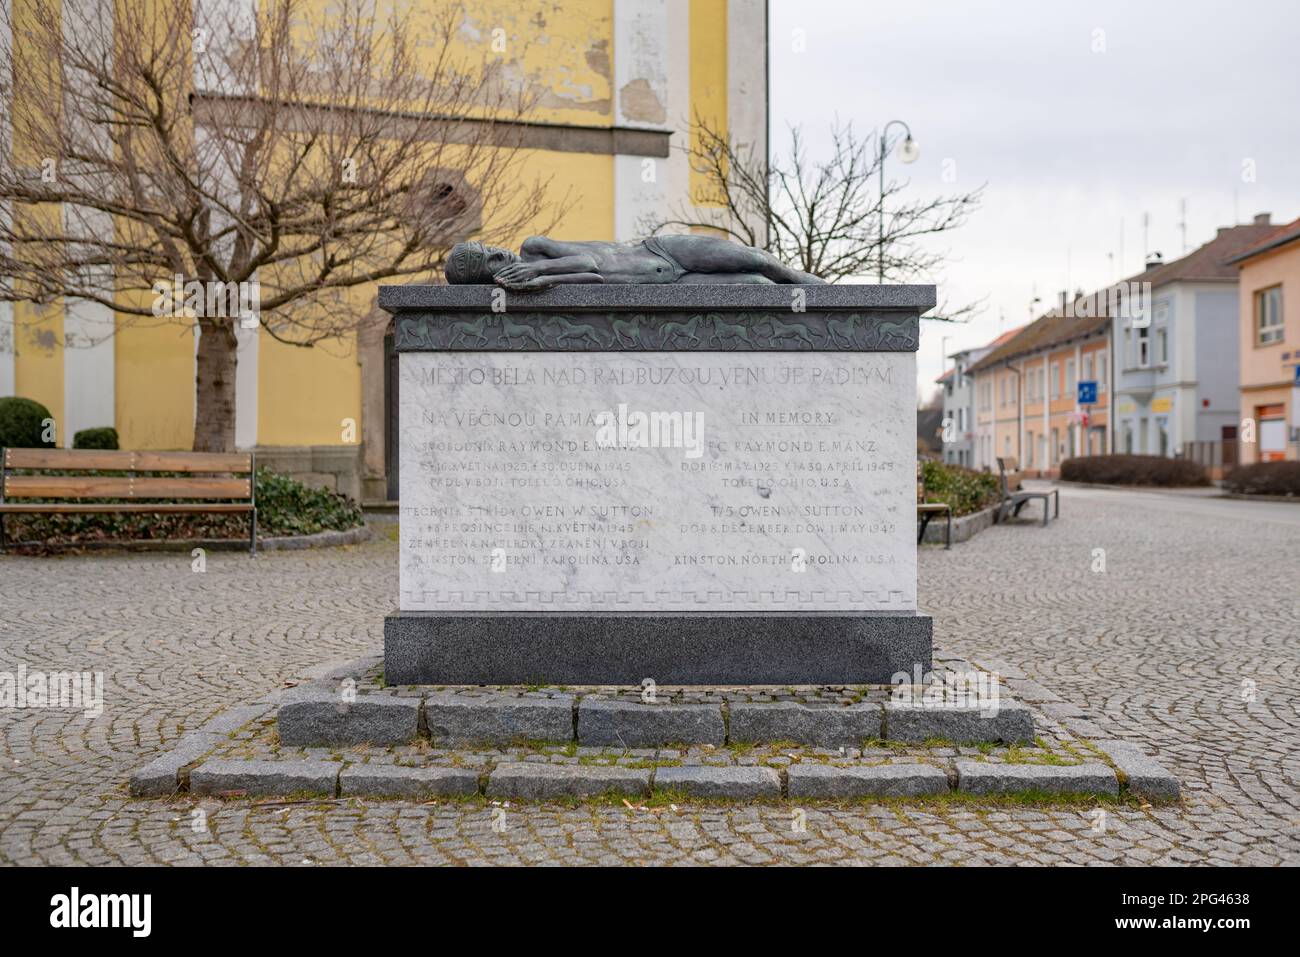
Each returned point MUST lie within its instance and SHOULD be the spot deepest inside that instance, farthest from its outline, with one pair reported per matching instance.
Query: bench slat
(103, 459)
(141, 507)
(193, 462)
(97, 486)
(127, 461)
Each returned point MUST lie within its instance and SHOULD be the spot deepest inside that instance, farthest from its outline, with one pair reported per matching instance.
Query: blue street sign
(1296, 380)
(1087, 392)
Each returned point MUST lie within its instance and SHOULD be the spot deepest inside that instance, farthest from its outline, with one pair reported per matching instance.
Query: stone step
(322, 718)
(538, 781)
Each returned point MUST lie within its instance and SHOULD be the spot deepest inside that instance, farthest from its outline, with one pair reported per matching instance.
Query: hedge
(1153, 470)
(21, 423)
(101, 438)
(967, 491)
(1264, 478)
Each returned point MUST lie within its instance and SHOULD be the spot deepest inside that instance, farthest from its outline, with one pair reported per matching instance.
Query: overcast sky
(1074, 145)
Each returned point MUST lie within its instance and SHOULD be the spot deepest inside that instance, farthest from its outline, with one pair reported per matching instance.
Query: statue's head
(474, 262)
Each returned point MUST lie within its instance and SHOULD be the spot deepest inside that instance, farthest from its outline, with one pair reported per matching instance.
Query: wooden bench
(1014, 498)
(209, 482)
(927, 510)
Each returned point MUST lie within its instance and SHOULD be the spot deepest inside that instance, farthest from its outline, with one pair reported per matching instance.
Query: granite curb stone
(884, 780)
(265, 778)
(497, 718)
(161, 777)
(1010, 723)
(384, 780)
(704, 781)
(329, 721)
(1143, 775)
(631, 724)
(974, 777)
(538, 782)
(829, 727)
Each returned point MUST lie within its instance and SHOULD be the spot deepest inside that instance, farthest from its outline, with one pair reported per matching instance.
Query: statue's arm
(536, 274)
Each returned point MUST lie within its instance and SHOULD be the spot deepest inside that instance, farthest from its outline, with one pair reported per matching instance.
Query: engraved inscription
(657, 481)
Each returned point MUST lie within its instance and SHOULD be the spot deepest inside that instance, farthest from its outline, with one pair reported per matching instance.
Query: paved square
(1187, 645)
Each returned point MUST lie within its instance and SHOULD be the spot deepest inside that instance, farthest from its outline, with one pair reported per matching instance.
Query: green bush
(22, 422)
(101, 438)
(967, 491)
(1264, 478)
(284, 507)
(291, 508)
(1153, 470)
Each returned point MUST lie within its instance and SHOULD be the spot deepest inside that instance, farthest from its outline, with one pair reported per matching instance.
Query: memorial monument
(677, 460)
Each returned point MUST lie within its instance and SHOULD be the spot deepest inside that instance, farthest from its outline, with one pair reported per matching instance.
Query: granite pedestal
(691, 484)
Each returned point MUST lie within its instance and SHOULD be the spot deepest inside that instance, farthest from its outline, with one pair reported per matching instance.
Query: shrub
(291, 508)
(1134, 470)
(101, 438)
(22, 422)
(965, 490)
(1264, 478)
(284, 507)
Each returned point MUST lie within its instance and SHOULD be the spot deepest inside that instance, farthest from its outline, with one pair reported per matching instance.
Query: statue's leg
(710, 254)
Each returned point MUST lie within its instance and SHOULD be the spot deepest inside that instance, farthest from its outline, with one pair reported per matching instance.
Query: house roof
(1280, 236)
(981, 350)
(1211, 262)
(1207, 263)
(1053, 329)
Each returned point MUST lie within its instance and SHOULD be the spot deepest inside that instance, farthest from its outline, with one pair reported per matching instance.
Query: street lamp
(908, 152)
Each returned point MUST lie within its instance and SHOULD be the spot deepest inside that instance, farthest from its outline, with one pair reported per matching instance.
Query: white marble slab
(796, 491)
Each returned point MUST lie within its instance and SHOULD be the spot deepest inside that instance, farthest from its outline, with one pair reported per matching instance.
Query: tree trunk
(214, 421)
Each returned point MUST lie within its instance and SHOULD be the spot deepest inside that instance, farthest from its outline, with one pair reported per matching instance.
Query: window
(1029, 450)
(1087, 367)
(1162, 346)
(1056, 446)
(1268, 316)
(1101, 370)
(1069, 377)
(1056, 380)
(1144, 347)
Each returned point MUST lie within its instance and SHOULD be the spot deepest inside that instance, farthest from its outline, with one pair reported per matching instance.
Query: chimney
(1154, 260)
(1065, 298)
(1263, 219)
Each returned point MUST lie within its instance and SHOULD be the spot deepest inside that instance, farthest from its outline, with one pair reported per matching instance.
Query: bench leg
(252, 532)
(947, 541)
(1045, 511)
(1056, 495)
(925, 523)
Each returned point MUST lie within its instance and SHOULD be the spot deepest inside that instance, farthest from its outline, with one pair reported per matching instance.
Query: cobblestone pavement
(1186, 644)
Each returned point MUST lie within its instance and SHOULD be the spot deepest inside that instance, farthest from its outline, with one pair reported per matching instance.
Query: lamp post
(908, 152)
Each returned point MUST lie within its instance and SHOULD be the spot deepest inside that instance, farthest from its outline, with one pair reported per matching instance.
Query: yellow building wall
(38, 329)
(154, 382)
(708, 83)
(305, 394)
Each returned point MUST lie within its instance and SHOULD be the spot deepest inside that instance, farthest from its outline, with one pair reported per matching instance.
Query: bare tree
(821, 216)
(296, 150)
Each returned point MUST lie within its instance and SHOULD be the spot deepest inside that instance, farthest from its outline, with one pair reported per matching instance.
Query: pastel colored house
(1176, 365)
(1269, 343)
(959, 402)
(1026, 393)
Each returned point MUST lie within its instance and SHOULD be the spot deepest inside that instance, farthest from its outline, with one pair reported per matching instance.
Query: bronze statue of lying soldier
(544, 262)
